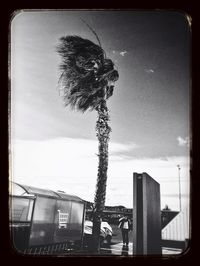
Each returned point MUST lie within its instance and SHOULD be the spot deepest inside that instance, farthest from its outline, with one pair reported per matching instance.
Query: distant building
(113, 213)
(167, 216)
(110, 213)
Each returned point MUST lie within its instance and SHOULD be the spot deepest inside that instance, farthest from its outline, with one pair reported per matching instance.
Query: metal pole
(179, 179)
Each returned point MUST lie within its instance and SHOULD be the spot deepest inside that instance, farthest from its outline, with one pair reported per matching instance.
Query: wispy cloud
(149, 70)
(122, 53)
(184, 142)
(122, 147)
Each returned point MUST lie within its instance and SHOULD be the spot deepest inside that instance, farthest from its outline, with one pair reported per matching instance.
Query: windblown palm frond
(86, 75)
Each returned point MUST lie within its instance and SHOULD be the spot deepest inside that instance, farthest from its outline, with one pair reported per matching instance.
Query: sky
(53, 147)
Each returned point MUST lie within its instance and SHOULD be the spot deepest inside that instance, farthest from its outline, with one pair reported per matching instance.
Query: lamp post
(179, 180)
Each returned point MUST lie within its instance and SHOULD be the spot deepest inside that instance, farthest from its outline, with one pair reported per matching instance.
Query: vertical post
(179, 182)
(137, 215)
(146, 215)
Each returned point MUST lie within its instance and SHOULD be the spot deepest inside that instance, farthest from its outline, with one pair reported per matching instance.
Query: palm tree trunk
(102, 133)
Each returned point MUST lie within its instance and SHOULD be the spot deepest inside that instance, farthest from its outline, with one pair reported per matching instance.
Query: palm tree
(87, 80)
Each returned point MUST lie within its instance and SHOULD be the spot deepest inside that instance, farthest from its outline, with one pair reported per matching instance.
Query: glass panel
(15, 189)
(62, 215)
(34, 190)
(62, 219)
(68, 197)
(44, 210)
(76, 219)
(43, 226)
(21, 209)
(30, 210)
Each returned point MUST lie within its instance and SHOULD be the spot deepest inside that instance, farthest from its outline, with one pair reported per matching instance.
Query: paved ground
(119, 249)
(116, 247)
(171, 251)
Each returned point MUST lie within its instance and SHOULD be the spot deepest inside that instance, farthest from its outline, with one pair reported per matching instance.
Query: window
(21, 209)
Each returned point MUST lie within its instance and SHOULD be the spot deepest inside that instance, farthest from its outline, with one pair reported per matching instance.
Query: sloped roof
(24, 190)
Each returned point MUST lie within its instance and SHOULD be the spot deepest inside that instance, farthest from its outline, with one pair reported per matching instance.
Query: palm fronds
(93, 31)
(86, 75)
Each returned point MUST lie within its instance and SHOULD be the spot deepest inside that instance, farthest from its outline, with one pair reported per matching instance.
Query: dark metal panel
(146, 215)
(21, 208)
(20, 235)
(153, 217)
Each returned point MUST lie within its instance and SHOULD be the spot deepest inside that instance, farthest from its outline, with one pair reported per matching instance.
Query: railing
(115, 211)
(178, 228)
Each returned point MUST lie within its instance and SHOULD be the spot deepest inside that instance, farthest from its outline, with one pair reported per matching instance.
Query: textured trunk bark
(102, 133)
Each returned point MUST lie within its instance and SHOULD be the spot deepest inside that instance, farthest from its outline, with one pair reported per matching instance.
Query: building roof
(24, 190)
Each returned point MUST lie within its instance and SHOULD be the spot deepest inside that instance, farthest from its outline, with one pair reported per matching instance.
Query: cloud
(71, 164)
(149, 70)
(60, 157)
(122, 147)
(183, 142)
(122, 53)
